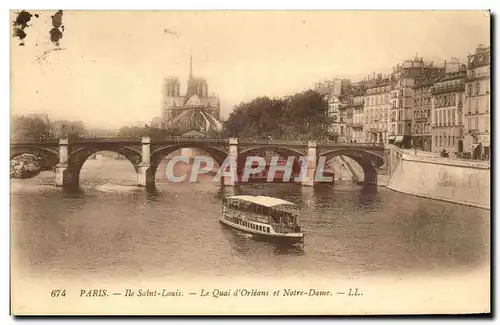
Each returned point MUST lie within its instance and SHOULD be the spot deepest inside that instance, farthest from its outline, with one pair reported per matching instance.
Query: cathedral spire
(191, 65)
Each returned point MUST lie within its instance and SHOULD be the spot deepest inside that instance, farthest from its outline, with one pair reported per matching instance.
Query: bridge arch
(50, 157)
(160, 153)
(32, 151)
(368, 160)
(79, 156)
(280, 150)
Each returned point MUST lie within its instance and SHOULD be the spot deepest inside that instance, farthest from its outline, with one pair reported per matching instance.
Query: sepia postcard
(250, 162)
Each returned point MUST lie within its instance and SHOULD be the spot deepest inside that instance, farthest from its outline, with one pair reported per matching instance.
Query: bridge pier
(145, 172)
(371, 177)
(231, 164)
(310, 174)
(62, 172)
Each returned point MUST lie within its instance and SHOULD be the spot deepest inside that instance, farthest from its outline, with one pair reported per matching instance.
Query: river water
(112, 228)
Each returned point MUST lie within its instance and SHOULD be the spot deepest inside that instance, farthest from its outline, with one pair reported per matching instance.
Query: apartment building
(477, 102)
(405, 76)
(376, 109)
(447, 112)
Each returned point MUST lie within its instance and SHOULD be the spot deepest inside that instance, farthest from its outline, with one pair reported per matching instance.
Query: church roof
(192, 101)
(203, 120)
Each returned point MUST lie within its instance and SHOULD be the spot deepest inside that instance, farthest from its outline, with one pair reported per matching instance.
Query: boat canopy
(266, 201)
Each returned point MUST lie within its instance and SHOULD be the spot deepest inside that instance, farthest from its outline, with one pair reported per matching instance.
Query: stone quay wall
(447, 179)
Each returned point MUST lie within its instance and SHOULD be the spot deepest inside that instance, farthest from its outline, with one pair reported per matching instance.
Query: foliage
(30, 128)
(69, 129)
(302, 116)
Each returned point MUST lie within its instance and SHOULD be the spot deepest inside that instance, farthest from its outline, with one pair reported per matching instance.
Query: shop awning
(399, 138)
(392, 137)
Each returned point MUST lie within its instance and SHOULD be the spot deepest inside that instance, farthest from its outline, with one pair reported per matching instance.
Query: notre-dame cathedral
(194, 111)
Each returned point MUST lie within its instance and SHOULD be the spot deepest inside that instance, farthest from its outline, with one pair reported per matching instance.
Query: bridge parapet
(273, 142)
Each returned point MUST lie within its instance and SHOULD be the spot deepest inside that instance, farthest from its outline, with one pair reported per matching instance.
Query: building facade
(447, 113)
(355, 123)
(376, 110)
(422, 111)
(477, 102)
(405, 76)
(335, 87)
(337, 111)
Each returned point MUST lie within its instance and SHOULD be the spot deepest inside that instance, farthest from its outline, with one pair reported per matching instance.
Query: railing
(478, 76)
(443, 89)
(276, 142)
(32, 142)
(351, 144)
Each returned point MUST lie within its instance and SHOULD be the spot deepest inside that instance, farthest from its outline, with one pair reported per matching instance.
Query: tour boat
(263, 217)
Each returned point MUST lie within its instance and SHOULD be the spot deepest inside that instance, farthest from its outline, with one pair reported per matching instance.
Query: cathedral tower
(196, 86)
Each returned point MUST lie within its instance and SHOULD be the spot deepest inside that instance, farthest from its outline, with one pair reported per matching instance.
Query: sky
(111, 65)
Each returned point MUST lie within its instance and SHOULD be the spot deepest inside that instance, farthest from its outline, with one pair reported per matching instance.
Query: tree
(69, 129)
(30, 128)
(302, 116)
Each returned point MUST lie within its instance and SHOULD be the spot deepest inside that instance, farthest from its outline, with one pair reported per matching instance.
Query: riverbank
(451, 180)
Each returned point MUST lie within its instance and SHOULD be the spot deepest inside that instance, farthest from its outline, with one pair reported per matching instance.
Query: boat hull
(292, 238)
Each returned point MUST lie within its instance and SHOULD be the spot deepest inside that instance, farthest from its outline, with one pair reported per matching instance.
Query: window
(477, 88)
(453, 144)
(267, 229)
(469, 90)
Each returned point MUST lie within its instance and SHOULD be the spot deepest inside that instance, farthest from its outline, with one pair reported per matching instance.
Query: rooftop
(266, 201)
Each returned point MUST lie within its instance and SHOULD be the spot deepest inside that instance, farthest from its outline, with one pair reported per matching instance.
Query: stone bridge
(67, 158)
